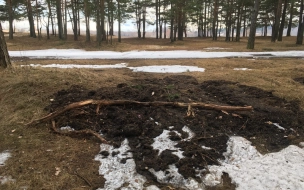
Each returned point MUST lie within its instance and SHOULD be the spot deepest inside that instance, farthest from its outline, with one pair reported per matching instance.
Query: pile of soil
(140, 124)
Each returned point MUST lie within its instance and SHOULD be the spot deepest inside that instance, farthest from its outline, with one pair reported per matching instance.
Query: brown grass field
(26, 91)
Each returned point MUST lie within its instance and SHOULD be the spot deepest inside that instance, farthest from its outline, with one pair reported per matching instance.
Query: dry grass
(25, 91)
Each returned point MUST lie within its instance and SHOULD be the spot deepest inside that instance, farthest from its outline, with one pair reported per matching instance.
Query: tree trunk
(75, 21)
(238, 24)
(290, 17)
(144, 22)
(301, 26)
(10, 19)
(277, 22)
(37, 16)
(119, 21)
(30, 19)
(156, 17)
(215, 18)
(254, 15)
(4, 56)
(244, 23)
(59, 19)
(282, 21)
(87, 21)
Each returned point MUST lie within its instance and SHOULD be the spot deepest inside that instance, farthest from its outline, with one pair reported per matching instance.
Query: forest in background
(211, 18)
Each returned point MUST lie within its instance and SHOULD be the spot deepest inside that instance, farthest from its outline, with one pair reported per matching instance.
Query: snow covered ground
(247, 168)
(3, 157)
(181, 54)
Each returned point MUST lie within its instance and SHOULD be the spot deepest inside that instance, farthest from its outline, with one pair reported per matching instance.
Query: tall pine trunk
(254, 15)
(301, 26)
(31, 19)
(59, 19)
(4, 56)
(277, 22)
(282, 21)
(10, 19)
(290, 18)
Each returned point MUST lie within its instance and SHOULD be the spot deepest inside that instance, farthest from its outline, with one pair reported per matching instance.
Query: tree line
(236, 18)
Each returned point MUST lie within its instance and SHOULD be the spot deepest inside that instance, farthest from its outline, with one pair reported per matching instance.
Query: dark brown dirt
(212, 128)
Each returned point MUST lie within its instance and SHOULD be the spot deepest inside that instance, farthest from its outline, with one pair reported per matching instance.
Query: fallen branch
(80, 132)
(128, 102)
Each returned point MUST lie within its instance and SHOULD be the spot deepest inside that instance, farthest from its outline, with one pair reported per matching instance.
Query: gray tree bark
(254, 15)
(4, 56)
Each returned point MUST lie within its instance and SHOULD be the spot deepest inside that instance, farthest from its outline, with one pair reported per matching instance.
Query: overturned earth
(212, 128)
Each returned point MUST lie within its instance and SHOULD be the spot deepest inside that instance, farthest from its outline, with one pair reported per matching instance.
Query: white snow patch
(3, 157)
(152, 187)
(180, 54)
(190, 133)
(72, 66)
(206, 148)
(149, 69)
(119, 174)
(242, 69)
(167, 69)
(162, 142)
(249, 169)
(67, 128)
(172, 176)
(280, 127)
(215, 48)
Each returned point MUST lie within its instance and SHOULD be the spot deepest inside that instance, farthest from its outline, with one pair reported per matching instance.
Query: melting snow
(181, 54)
(3, 157)
(249, 169)
(172, 176)
(162, 142)
(167, 69)
(70, 66)
(119, 168)
(242, 69)
(278, 126)
(150, 69)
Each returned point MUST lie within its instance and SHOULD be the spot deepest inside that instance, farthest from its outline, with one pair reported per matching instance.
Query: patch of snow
(190, 133)
(6, 179)
(162, 142)
(180, 54)
(280, 127)
(149, 69)
(72, 66)
(167, 69)
(3, 157)
(249, 169)
(206, 148)
(120, 169)
(67, 128)
(152, 187)
(215, 48)
(242, 69)
(172, 176)
(301, 144)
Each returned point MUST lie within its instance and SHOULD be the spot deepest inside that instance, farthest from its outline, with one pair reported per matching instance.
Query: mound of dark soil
(140, 124)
